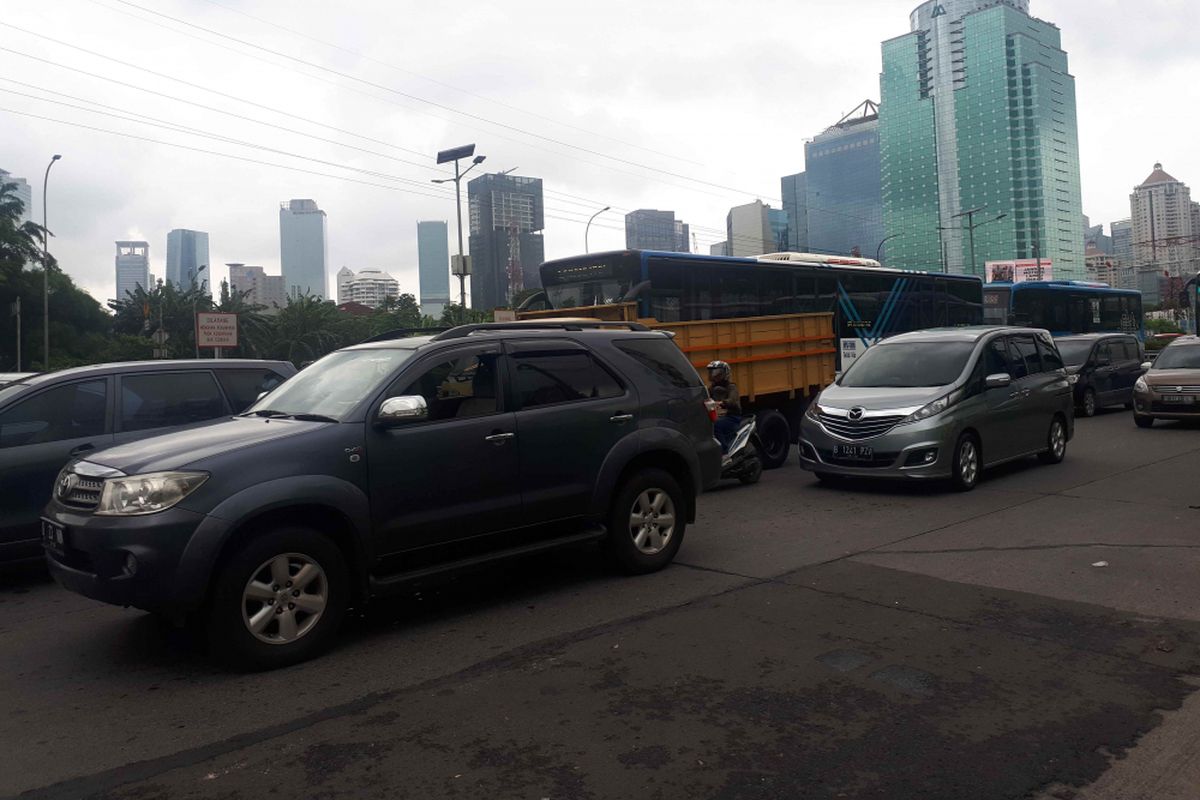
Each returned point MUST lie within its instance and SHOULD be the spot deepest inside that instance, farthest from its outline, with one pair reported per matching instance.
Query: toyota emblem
(66, 483)
(856, 413)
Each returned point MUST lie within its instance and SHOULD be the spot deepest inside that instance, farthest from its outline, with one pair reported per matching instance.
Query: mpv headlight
(813, 410)
(147, 494)
(936, 407)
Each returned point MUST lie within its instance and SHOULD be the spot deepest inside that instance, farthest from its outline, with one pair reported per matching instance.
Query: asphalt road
(861, 641)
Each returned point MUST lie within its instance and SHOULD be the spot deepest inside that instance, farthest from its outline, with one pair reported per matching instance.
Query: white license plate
(1181, 399)
(854, 452)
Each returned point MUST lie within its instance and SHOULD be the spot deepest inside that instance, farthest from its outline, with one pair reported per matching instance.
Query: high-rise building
(1094, 238)
(23, 193)
(257, 287)
(719, 249)
(777, 219)
(978, 115)
(1122, 240)
(187, 251)
(370, 287)
(303, 249)
(650, 229)
(795, 204)
(344, 276)
(133, 267)
(1161, 210)
(507, 217)
(433, 266)
(844, 185)
(748, 230)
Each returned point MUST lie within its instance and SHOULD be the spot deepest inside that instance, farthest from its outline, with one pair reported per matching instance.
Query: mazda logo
(856, 413)
(66, 483)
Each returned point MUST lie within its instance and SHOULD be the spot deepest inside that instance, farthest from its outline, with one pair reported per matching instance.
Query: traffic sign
(216, 329)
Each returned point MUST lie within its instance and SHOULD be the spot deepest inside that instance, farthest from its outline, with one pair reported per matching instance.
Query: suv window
(1024, 356)
(243, 386)
(549, 377)
(463, 385)
(169, 398)
(64, 412)
(1051, 359)
(662, 359)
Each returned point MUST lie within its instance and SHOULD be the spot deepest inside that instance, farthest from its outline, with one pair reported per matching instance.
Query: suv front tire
(278, 600)
(647, 521)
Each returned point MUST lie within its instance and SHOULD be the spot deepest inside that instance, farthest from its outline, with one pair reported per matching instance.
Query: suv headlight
(933, 409)
(1140, 385)
(812, 411)
(147, 494)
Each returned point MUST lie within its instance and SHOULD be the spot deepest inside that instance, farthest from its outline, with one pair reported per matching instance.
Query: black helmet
(718, 371)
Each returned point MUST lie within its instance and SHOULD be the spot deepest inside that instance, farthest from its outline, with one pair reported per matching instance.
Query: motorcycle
(743, 461)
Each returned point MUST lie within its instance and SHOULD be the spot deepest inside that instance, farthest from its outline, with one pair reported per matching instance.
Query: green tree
(305, 330)
(453, 315)
(166, 307)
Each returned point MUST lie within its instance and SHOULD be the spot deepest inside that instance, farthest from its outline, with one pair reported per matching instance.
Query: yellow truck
(779, 362)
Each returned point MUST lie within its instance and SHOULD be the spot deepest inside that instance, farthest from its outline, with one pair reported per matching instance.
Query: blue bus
(1064, 307)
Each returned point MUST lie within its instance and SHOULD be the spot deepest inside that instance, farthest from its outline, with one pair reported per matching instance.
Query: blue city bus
(869, 302)
(1065, 307)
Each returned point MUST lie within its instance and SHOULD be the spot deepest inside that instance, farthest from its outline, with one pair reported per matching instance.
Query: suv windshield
(333, 386)
(1179, 357)
(908, 365)
(1074, 351)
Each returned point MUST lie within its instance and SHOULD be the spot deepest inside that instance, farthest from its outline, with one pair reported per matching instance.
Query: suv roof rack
(548, 325)
(400, 333)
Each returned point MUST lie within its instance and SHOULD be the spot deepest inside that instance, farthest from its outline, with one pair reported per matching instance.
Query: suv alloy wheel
(647, 521)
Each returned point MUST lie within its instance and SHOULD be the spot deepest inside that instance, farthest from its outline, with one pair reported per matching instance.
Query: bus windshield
(592, 282)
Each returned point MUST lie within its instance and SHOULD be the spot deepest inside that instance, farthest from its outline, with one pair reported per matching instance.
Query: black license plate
(854, 452)
(1179, 399)
(54, 536)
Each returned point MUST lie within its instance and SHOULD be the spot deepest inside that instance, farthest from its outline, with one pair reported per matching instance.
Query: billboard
(216, 329)
(1024, 269)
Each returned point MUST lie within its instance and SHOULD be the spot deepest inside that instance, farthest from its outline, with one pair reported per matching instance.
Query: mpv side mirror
(1146, 365)
(997, 381)
(399, 410)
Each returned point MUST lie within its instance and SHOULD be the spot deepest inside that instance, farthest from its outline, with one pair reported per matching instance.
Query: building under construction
(507, 217)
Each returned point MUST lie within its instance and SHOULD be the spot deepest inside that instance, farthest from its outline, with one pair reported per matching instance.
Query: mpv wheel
(1056, 442)
(967, 464)
(278, 600)
(647, 521)
(1089, 403)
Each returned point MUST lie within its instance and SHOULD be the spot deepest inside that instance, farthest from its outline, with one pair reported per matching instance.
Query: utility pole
(46, 270)
(970, 228)
(16, 310)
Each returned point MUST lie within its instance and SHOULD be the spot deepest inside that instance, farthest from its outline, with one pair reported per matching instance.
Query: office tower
(748, 230)
(303, 249)
(977, 132)
(257, 287)
(370, 287)
(22, 192)
(1094, 238)
(133, 268)
(187, 251)
(795, 205)
(844, 187)
(777, 219)
(1161, 211)
(433, 266)
(650, 229)
(506, 221)
(344, 276)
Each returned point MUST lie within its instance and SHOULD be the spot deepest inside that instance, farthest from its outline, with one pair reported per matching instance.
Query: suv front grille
(857, 430)
(82, 493)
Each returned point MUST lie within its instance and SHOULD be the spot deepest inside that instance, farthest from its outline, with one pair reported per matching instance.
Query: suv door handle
(83, 448)
(621, 419)
(499, 438)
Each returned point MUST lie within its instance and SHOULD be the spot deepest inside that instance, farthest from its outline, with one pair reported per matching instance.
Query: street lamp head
(455, 153)
(478, 159)
(56, 157)
(440, 180)
(606, 208)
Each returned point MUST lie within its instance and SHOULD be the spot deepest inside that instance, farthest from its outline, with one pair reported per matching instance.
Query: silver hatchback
(942, 404)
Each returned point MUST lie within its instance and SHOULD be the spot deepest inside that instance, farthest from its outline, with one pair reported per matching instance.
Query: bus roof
(1061, 286)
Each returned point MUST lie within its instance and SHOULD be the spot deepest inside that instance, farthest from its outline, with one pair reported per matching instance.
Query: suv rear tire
(649, 501)
(278, 599)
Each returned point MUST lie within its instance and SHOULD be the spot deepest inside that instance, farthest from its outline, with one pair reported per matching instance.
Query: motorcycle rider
(723, 390)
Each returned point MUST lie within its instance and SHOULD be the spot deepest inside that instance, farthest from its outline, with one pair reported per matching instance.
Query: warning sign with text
(214, 329)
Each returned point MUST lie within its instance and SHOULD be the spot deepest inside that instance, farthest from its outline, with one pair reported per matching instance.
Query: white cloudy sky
(693, 106)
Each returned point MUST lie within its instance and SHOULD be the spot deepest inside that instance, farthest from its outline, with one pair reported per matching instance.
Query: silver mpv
(940, 404)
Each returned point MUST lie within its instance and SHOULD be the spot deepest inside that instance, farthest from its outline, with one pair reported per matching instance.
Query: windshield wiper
(311, 417)
(265, 412)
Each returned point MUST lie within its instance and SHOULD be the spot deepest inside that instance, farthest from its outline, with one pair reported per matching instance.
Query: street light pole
(971, 226)
(588, 227)
(454, 154)
(46, 270)
(879, 250)
(195, 330)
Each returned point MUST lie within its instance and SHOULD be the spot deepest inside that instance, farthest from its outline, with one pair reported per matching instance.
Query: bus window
(777, 289)
(865, 295)
(995, 305)
(666, 290)
(735, 293)
(963, 307)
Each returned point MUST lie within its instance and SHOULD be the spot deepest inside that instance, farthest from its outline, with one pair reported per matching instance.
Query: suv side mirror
(1146, 365)
(997, 381)
(399, 410)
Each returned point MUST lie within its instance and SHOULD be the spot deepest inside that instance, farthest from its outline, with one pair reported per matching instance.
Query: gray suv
(47, 420)
(942, 404)
(388, 463)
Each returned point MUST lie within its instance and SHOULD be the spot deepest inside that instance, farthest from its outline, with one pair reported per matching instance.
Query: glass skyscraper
(844, 196)
(433, 266)
(303, 249)
(650, 229)
(978, 112)
(187, 252)
(795, 205)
